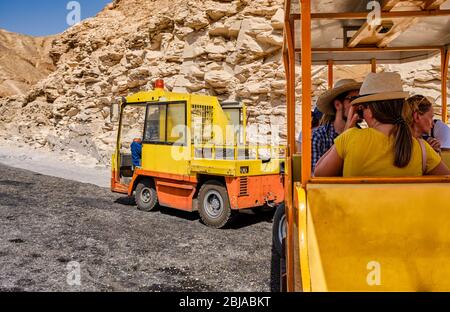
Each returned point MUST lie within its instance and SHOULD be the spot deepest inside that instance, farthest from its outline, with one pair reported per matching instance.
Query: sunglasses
(352, 98)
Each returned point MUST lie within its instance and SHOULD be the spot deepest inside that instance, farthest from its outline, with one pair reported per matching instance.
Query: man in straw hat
(387, 147)
(334, 104)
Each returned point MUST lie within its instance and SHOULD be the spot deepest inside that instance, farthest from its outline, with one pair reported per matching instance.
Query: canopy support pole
(445, 55)
(306, 58)
(373, 62)
(330, 74)
(289, 64)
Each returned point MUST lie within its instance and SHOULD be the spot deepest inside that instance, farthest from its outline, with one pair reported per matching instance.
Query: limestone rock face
(422, 77)
(227, 48)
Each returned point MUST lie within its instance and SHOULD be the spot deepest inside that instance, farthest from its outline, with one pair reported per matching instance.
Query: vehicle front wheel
(146, 196)
(214, 204)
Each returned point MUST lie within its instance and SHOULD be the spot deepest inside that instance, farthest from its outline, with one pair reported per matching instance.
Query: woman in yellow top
(387, 148)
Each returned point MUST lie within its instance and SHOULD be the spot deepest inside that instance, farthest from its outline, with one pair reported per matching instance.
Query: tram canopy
(406, 31)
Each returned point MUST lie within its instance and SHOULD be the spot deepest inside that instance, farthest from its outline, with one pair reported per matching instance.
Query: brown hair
(419, 103)
(391, 112)
(416, 104)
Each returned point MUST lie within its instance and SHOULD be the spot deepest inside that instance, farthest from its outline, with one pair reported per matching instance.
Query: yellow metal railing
(236, 152)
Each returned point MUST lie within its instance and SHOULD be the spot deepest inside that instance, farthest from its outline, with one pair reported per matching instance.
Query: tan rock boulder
(111, 58)
(219, 29)
(196, 20)
(218, 78)
(217, 10)
(256, 25)
(277, 20)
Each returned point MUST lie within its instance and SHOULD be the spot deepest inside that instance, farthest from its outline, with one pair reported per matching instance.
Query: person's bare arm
(330, 164)
(440, 169)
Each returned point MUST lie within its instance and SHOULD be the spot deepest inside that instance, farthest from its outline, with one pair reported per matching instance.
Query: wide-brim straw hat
(381, 87)
(325, 100)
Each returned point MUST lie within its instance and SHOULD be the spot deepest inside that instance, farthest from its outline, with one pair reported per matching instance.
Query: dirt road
(47, 223)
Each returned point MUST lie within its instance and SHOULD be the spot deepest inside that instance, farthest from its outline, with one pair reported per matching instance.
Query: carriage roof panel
(426, 32)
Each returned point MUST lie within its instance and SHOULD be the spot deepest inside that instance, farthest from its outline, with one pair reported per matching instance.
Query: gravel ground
(48, 222)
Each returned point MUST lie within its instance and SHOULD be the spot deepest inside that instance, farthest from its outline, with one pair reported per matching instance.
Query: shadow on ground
(239, 220)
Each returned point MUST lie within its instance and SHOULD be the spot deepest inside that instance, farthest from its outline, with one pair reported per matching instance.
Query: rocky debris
(228, 48)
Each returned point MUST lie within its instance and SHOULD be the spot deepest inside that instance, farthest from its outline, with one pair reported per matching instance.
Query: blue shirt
(136, 153)
(322, 140)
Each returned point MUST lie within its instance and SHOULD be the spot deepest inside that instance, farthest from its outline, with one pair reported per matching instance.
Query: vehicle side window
(176, 123)
(165, 123)
(156, 116)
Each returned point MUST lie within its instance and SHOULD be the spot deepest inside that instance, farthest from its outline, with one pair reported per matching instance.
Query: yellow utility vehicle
(195, 157)
(360, 234)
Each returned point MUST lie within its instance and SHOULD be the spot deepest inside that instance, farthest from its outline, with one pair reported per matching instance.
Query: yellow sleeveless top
(369, 152)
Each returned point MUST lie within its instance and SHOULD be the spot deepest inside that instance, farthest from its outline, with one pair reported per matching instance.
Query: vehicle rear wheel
(146, 196)
(279, 228)
(278, 265)
(214, 204)
(278, 281)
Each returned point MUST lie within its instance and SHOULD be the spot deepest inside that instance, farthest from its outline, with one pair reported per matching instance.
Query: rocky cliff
(24, 61)
(227, 48)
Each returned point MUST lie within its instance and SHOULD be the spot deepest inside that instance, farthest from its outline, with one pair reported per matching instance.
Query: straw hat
(325, 100)
(380, 87)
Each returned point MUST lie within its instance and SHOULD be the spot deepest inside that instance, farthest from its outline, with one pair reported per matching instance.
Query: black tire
(278, 263)
(214, 204)
(278, 281)
(145, 195)
(279, 228)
